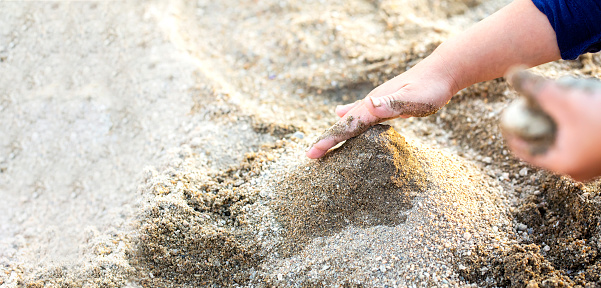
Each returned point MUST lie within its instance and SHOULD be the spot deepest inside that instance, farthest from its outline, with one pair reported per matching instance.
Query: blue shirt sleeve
(577, 24)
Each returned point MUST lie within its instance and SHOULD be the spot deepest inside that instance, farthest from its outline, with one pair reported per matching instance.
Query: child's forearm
(516, 34)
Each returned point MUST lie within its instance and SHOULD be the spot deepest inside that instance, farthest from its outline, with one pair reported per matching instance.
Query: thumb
(393, 105)
(555, 100)
(540, 92)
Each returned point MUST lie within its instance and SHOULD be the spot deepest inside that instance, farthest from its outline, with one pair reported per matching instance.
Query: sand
(161, 144)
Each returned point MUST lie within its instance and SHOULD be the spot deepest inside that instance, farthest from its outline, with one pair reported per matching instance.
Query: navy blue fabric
(577, 24)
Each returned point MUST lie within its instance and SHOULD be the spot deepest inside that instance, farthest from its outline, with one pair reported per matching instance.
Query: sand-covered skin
(218, 100)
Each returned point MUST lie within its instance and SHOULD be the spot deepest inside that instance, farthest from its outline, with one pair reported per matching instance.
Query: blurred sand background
(160, 144)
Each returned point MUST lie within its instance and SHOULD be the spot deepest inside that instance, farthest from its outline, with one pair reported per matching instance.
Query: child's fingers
(341, 110)
(519, 147)
(524, 82)
(522, 150)
(554, 159)
(554, 99)
(314, 152)
(557, 101)
(355, 122)
(393, 106)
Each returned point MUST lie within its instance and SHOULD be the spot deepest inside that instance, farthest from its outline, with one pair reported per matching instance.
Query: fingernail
(375, 101)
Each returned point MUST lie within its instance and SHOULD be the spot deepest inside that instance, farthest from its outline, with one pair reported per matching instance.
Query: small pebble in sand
(299, 135)
(546, 248)
(196, 142)
(467, 236)
(522, 227)
(523, 172)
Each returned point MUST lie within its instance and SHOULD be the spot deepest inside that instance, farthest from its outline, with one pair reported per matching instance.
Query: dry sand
(160, 144)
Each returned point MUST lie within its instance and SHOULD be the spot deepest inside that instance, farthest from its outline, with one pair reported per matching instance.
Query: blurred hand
(419, 92)
(575, 110)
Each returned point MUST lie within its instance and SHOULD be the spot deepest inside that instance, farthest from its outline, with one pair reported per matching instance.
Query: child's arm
(517, 34)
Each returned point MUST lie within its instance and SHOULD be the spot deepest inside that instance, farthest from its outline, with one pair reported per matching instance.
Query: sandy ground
(92, 92)
(160, 144)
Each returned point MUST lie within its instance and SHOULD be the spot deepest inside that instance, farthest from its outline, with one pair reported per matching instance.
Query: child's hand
(577, 148)
(418, 92)
(518, 33)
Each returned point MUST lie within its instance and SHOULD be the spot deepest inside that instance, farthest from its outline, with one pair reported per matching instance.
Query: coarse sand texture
(398, 206)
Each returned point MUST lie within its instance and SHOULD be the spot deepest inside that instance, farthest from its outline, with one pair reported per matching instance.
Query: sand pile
(395, 213)
(371, 181)
(406, 228)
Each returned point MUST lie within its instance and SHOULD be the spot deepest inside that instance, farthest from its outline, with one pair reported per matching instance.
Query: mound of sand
(407, 211)
(375, 208)
(370, 181)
